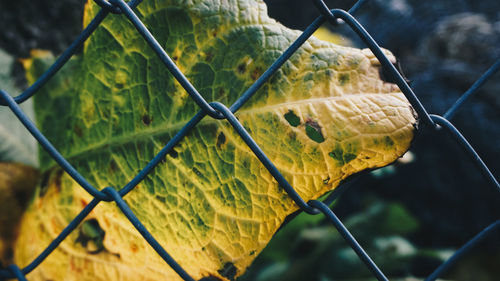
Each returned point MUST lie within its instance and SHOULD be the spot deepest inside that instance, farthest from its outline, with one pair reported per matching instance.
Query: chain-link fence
(220, 111)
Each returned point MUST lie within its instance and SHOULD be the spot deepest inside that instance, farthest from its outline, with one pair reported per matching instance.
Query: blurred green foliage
(310, 248)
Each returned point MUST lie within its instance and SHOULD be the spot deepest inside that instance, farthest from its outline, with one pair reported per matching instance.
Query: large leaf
(213, 206)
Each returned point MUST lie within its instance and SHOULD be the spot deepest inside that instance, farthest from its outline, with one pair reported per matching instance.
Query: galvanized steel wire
(220, 111)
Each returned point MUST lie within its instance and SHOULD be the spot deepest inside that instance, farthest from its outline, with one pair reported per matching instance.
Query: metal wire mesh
(220, 111)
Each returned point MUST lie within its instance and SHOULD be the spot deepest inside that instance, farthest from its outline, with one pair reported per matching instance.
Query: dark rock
(49, 25)
(461, 48)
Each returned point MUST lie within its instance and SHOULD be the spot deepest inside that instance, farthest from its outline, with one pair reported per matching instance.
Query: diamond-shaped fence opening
(220, 111)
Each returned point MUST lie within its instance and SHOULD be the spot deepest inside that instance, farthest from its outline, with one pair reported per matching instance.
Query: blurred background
(411, 215)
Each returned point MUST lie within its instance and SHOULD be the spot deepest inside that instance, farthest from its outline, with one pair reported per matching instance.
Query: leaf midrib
(107, 143)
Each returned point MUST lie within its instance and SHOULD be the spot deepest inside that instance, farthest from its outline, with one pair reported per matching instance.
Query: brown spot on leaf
(343, 78)
(74, 267)
(221, 139)
(146, 119)
(134, 248)
(242, 67)
(209, 56)
(57, 179)
(113, 167)
(78, 131)
(83, 203)
(256, 73)
(173, 153)
(221, 93)
(388, 141)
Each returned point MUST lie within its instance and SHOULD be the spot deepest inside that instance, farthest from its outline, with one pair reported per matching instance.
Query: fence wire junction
(220, 111)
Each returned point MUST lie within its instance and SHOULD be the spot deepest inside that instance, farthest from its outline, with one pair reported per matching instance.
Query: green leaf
(211, 203)
(383, 219)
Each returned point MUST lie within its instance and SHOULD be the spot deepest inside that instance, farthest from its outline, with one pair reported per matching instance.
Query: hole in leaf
(256, 73)
(91, 236)
(242, 67)
(221, 93)
(292, 118)
(325, 181)
(209, 56)
(146, 119)
(313, 131)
